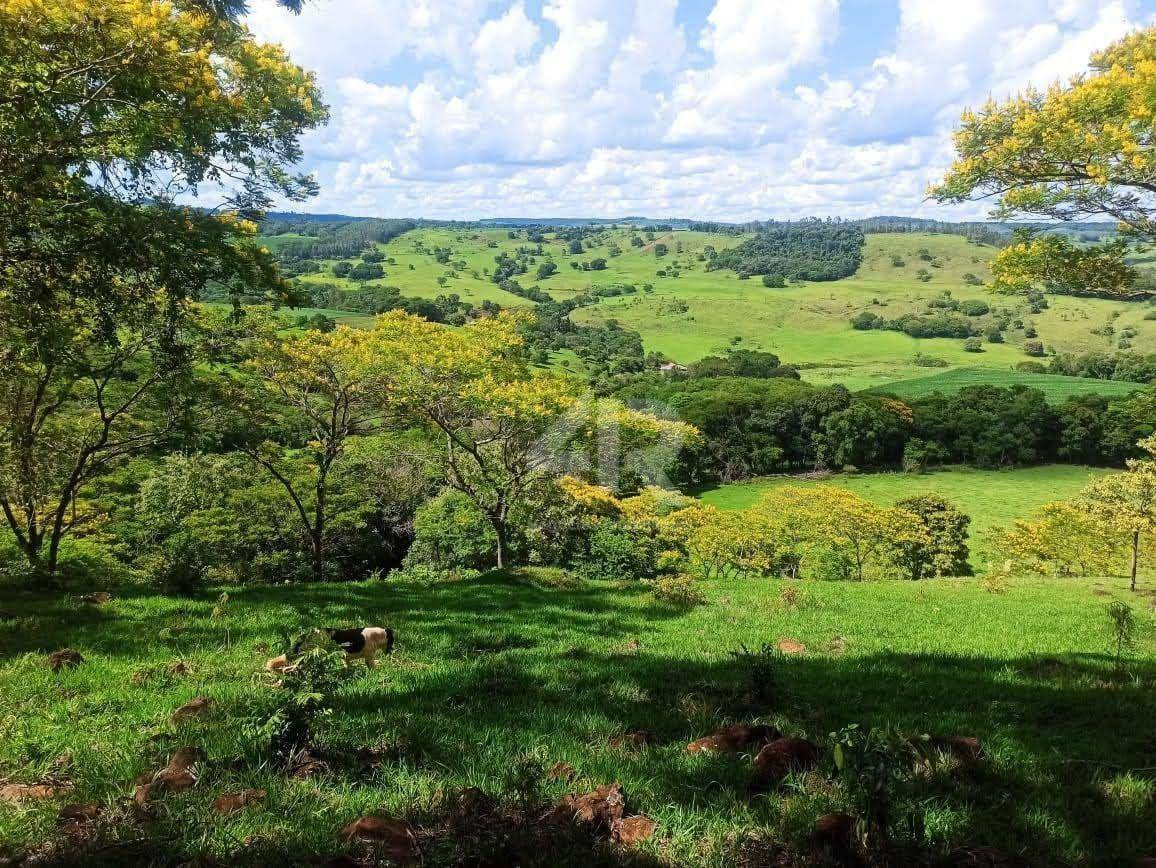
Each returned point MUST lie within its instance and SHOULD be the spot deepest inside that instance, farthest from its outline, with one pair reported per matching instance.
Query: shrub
(974, 307)
(678, 590)
(450, 531)
(866, 320)
(943, 550)
(774, 281)
(1034, 348)
(618, 553)
(993, 335)
(973, 345)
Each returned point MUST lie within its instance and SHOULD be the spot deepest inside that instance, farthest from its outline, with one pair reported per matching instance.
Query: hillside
(1057, 388)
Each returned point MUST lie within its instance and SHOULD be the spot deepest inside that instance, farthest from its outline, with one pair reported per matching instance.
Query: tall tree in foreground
(1081, 150)
(111, 110)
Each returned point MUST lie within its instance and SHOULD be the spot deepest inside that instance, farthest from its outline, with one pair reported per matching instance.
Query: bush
(774, 281)
(679, 590)
(451, 532)
(974, 307)
(973, 345)
(993, 335)
(866, 320)
(618, 553)
(1034, 348)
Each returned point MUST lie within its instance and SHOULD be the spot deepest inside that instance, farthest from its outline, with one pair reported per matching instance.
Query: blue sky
(714, 109)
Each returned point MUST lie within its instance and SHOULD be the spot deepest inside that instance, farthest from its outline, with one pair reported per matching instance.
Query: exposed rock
(193, 708)
(176, 777)
(779, 758)
(834, 830)
(230, 803)
(64, 658)
(632, 830)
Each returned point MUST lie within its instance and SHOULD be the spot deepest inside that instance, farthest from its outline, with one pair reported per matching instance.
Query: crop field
(504, 672)
(993, 498)
(700, 312)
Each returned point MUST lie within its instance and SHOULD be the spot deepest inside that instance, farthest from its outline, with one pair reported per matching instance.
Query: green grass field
(806, 324)
(492, 671)
(1055, 387)
(993, 498)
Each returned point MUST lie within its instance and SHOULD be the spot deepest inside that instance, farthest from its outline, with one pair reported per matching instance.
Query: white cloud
(460, 108)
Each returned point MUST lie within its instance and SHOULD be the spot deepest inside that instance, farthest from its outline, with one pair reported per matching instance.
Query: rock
(97, 598)
(632, 830)
(633, 740)
(65, 658)
(193, 708)
(230, 803)
(391, 838)
(598, 810)
(779, 758)
(561, 771)
(17, 793)
(176, 777)
(791, 646)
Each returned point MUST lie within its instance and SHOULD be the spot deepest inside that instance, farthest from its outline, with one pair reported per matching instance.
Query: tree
(942, 549)
(108, 113)
(1080, 150)
(315, 391)
(1126, 502)
(546, 270)
(1063, 538)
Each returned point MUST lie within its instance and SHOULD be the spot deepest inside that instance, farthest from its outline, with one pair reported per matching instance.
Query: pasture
(496, 679)
(1057, 388)
(689, 312)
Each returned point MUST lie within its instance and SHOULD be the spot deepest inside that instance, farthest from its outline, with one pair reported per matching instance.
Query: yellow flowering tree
(1126, 503)
(310, 394)
(1061, 538)
(1081, 149)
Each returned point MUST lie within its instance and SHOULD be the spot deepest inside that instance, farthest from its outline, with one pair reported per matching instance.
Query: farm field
(1057, 388)
(497, 673)
(701, 312)
(993, 498)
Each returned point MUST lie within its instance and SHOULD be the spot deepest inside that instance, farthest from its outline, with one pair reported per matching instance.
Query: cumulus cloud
(464, 108)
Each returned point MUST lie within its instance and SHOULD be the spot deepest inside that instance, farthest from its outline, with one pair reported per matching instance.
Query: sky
(709, 109)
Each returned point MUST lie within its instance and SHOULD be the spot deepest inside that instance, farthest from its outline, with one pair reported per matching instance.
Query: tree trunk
(500, 533)
(1135, 557)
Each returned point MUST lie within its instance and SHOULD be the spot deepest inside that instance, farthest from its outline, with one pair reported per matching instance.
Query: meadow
(993, 498)
(1057, 388)
(494, 680)
(700, 312)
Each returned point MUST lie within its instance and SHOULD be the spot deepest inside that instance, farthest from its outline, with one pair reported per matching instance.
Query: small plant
(679, 590)
(875, 766)
(761, 671)
(308, 686)
(1123, 629)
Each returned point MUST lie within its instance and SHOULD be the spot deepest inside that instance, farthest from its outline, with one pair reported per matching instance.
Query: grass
(492, 670)
(1057, 388)
(993, 498)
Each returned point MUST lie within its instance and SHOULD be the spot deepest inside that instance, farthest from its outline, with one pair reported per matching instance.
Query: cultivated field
(496, 679)
(1057, 388)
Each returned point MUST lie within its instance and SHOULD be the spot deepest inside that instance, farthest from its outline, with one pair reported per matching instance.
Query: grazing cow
(356, 642)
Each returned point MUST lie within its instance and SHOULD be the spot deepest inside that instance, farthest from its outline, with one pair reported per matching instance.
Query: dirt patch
(791, 646)
(388, 837)
(14, 794)
(65, 658)
(632, 830)
(97, 598)
(735, 738)
(230, 803)
(176, 777)
(597, 810)
(561, 771)
(193, 708)
(635, 740)
(780, 758)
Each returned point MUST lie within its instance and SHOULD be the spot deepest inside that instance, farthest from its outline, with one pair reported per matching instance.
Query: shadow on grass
(493, 670)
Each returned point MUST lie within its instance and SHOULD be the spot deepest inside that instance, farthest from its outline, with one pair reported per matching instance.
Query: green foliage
(1123, 621)
(943, 551)
(617, 551)
(679, 590)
